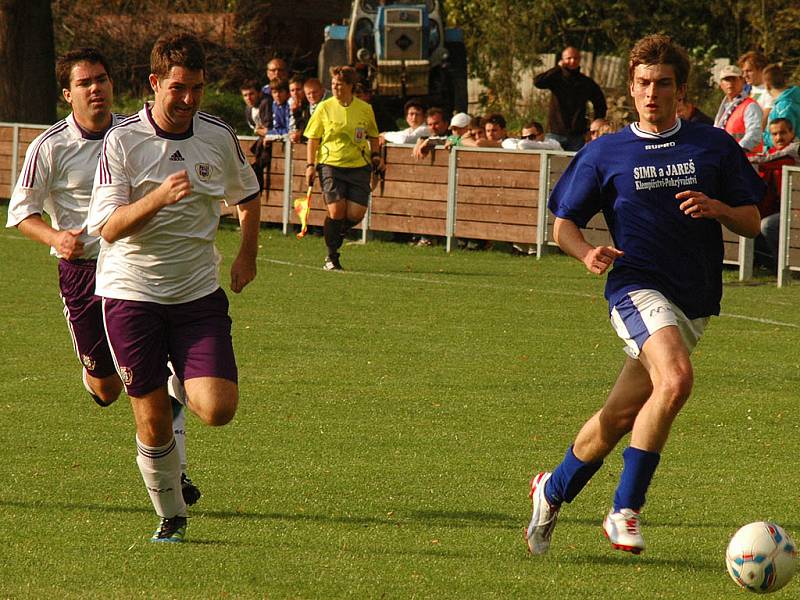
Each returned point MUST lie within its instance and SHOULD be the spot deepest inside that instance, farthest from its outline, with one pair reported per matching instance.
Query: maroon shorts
(195, 336)
(84, 313)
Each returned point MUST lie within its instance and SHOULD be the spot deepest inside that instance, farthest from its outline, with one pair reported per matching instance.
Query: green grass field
(391, 417)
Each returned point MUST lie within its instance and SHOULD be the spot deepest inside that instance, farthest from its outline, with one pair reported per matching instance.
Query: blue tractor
(401, 49)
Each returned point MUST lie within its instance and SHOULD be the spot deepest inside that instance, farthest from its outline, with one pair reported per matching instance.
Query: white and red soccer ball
(761, 557)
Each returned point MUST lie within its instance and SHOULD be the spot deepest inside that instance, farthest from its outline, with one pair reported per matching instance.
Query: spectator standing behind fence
(276, 69)
(689, 112)
(343, 148)
(571, 90)
(752, 65)
(494, 132)
(738, 114)
(785, 100)
(299, 109)
(281, 109)
(459, 127)
(257, 113)
(782, 152)
(436, 122)
(599, 128)
(531, 138)
(315, 93)
(414, 113)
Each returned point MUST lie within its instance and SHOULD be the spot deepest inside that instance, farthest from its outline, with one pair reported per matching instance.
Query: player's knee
(107, 389)
(676, 386)
(619, 422)
(222, 413)
(217, 411)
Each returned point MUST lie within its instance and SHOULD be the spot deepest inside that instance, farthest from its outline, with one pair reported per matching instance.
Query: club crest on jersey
(203, 171)
(361, 133)
(88, 362)
(126, 375)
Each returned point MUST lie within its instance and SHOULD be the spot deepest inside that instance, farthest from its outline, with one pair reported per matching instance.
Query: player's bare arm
(66, 242)
(569, 238)
(243, 269)
(377, 158)
(311, 158)
(741, 220)
(129, 219)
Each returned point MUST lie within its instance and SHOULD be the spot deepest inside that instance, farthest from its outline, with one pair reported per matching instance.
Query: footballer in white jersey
(172, 258)
(156, 204)
(57, 179)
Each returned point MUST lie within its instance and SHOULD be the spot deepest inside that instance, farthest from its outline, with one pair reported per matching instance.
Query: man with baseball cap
(739, 114)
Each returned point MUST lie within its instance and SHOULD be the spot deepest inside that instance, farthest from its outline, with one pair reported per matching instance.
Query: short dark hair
(755, 58)
(345, 73)
(659, 49)
(495, 119)
(250, 84)
(534, 125)
(177, 50)
(435, 110)
(69, 59)
(278, 85)
(774, 76)
(476, 122)
(297, 78)
(783, 120)
(413, 103)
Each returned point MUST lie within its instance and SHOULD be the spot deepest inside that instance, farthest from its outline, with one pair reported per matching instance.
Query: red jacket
(735, 125)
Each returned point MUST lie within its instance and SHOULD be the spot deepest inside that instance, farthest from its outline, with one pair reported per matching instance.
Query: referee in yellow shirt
(343, 149)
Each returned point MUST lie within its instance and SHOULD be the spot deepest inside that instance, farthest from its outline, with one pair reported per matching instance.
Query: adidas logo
(176, 155)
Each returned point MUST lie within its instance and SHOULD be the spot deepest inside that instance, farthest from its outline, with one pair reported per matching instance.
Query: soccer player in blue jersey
(665, 187)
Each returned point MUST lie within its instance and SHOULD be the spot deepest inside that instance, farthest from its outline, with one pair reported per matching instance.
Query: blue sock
(637, 473)
(569, 478)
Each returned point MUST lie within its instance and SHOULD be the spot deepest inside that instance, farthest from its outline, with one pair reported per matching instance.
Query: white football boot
(543, 517)
(623, 530)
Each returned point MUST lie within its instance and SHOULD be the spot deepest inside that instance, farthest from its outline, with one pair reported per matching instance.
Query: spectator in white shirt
(415, 117)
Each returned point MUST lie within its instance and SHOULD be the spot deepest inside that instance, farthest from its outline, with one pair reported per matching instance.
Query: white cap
(729, 71)
(460, 120)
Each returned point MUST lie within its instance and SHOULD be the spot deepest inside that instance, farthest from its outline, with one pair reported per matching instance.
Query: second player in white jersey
(57, 179)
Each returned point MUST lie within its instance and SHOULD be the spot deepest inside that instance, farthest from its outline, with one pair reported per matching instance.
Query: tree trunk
(28, 91)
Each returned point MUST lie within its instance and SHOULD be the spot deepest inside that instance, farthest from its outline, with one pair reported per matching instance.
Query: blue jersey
(632, 177)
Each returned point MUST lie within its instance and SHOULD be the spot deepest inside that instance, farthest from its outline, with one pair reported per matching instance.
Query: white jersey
(172, 258)
(57, 179)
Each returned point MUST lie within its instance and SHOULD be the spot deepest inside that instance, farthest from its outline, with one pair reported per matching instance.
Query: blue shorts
(640, 313)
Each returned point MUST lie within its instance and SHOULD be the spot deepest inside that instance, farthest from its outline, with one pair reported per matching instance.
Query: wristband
(312, 165)
(374, 154)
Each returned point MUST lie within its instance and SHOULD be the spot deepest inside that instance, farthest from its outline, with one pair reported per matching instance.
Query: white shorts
(643, 312)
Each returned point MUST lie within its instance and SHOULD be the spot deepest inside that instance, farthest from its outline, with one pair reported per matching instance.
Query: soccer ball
(761, 557)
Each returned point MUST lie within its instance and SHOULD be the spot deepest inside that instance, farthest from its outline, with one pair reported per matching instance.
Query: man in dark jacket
(258, 114)
(566, 118)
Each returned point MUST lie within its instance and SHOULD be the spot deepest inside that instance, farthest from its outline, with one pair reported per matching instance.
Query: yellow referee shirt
(343, 132)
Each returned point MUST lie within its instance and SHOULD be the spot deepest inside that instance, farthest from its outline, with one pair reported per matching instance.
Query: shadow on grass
(428, 518)
(665, 524)
(649, 559)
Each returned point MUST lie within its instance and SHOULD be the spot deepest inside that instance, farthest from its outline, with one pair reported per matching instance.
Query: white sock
(179, 429)
(86, 383)
(161, 472)
(175, 386)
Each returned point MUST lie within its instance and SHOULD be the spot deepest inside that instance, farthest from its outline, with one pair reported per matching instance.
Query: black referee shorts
(343, 183)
